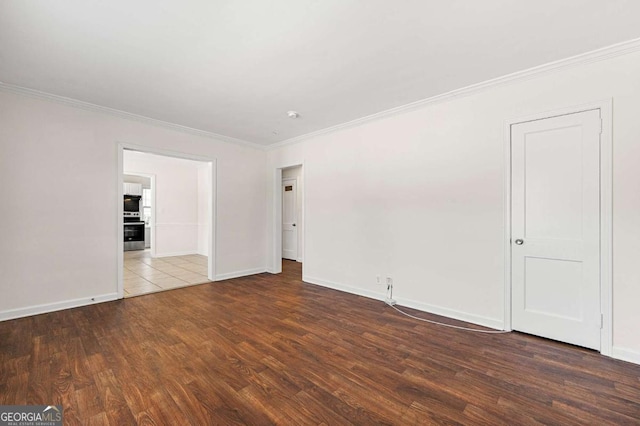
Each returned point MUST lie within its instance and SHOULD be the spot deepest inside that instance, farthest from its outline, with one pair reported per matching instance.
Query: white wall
(176, 196)
(52, 257)
(296, 173)
(419, 196)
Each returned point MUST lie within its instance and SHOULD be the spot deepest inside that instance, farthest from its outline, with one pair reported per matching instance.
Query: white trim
(506, 217)
(123, 114)
(152, 224)
(437, 310)
(120, 222)
(606, 226)
(177, 253)
(146, 149)
(212, 200)
(302, 219)
(602, 54)
(276, 239)
(626, 354)
(238, 274)
(56, 306)
(298, 229)
(212, 205)
(345, 288)
(606, 218)
(452, 313)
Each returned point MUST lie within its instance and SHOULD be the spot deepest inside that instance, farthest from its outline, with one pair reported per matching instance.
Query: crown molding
(123, 114)
(604, 53)
(597, 55)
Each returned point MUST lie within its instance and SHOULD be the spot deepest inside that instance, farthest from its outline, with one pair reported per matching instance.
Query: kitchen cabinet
(132, 188)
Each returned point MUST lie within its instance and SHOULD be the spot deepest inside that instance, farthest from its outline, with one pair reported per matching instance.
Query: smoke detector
(293, 114)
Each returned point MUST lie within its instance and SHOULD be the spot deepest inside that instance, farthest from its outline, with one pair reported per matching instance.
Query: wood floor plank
(270, 349)
(419, 414)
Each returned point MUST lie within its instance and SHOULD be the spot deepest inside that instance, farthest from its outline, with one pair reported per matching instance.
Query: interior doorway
(292, 186)
(179, 218)
(289, 220)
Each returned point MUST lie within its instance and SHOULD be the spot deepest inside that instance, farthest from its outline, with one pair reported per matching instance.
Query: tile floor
(144, 274)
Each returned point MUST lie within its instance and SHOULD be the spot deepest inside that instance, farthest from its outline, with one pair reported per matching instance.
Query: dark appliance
(132, 204)
(133, 236)
(133, 226)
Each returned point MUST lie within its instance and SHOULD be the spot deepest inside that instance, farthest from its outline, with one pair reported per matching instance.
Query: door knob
(293, 224)
(519, 242)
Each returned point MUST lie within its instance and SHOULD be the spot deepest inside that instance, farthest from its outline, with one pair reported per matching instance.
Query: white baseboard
(625, 354)
(445, 312)
(238, 274)
(57, 306)
(299, 260)
(347, 289)
(177, 253)
(451, 313)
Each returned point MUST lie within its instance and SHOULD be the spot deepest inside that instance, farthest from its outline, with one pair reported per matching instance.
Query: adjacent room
(320, 212)
(166, 218)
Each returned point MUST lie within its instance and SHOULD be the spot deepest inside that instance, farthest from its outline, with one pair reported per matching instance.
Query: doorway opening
(173, 198)
(289, 221)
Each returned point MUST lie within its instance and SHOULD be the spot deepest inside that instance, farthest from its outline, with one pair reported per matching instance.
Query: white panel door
(555, 238)
(289, 219)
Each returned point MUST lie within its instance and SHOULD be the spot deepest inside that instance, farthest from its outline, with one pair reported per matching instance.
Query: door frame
(212, 205)
(295, 207)
(276, 238)
(606, 222)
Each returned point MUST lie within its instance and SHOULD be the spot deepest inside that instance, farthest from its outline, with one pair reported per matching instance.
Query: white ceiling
(235, 67)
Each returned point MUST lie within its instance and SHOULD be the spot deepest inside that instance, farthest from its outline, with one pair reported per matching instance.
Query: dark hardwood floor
(270, 349)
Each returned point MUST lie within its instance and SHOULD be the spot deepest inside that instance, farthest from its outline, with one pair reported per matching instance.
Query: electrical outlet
(378, 279)
(389, 297)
